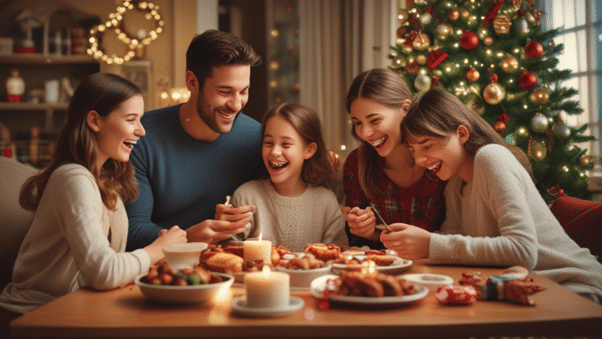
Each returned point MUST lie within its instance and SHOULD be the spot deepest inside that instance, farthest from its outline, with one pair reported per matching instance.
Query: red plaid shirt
(421, 204)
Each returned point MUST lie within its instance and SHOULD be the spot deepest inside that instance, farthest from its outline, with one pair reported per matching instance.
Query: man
(197, 153)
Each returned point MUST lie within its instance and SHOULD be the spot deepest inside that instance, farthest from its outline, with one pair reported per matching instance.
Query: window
(581, 21)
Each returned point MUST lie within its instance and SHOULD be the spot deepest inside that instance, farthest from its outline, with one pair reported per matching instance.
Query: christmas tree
(494, 56)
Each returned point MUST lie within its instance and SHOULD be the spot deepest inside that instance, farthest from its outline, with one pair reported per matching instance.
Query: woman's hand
(362, 223)
(166, 237)
(410, 242)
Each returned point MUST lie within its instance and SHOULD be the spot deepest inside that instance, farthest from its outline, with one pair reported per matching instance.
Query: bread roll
(224, 262)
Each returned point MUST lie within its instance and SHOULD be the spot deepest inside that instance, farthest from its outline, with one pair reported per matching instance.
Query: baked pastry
(324, 252)
(222, 262)
(382, 260)
(372, 284)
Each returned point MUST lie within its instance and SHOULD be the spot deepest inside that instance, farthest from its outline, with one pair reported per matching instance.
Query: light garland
(115, 21)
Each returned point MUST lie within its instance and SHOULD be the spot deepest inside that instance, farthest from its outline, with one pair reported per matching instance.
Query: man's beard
(209, 115)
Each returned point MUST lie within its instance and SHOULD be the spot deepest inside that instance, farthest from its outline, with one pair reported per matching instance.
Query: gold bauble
(501, 24)
(407, 48)
(421, 42)
(540, 95)
(465, 13)
(443, 31)
(509, 63)
(539, 150)
(421, 59)
(453, 15)
(494, 93)
(403, 16)
(586, 160)
(488, 41)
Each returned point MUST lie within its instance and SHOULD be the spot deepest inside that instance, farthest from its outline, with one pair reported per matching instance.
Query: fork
(384, 226)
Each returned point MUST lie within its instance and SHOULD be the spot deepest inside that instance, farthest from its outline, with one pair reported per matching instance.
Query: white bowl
(430, 280)
(182, 255)
(184, 294)
(301, 279)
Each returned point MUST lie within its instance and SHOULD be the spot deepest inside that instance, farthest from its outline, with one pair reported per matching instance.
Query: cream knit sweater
(500, 219)
(74, 242)
(313, 217)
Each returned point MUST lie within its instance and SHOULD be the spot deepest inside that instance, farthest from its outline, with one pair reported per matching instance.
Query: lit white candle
(267, 289)
(257, 250)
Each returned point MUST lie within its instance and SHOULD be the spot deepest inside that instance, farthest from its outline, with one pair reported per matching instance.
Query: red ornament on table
(534, 50)
(527, 80)
(469, 40)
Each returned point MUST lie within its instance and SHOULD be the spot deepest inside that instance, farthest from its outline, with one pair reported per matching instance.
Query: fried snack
(223, 262)
(382, 259)
(324, 252)
(275, 256)
(282, 250)
(307, 262)
(376, 252)
(235, 247)
(372, 284)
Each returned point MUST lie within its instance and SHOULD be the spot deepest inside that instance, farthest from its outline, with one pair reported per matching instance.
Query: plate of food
(377, 289)
(187, 286)
(385, 263)
(302, 269)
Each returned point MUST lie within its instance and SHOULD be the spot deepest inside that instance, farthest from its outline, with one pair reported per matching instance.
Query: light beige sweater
(500, 219)
(73, 242)
(313, 217)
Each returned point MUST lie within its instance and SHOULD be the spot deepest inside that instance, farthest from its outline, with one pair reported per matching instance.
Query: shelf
(28, 106)
(40, 59)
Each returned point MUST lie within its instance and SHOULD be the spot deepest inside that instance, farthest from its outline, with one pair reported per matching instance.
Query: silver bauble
(562, 131)
(422, 83)
(539, 123)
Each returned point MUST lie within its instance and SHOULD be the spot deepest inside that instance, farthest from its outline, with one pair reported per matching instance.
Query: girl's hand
(166, 237)
(362, 223)
(410, 242)
(230, 213)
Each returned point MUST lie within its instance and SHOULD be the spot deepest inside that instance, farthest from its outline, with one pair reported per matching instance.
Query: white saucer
(239, 305)
(432, 281)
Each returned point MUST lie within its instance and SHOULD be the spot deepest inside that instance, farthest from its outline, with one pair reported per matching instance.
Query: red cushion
(582, 221)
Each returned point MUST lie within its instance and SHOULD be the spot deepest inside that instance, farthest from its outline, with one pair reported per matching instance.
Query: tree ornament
(453, 15)
(540, 96)
(421, 42)
(511, 139)
(472, 75)
(401, 32)
(422, 83)
(402, 15)
(527, 80)
(562, 131)
(464, 13)
(534, 50)
(443, 31)
(509, 63)
(412, 67)
(494, 93)
(555, 191)
(501, 24)
(421, 59)
(586, 160)
(469, 40)
(426, 18)
(488, 41)
(539, 123)
(499, 126)
(539, 150)
(530, 18)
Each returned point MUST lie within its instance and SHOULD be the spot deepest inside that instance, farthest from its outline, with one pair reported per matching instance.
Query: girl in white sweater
(495, 215)
(78, 234)
(295, 207)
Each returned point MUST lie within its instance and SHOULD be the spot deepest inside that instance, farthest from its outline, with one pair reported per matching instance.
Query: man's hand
(228, 221)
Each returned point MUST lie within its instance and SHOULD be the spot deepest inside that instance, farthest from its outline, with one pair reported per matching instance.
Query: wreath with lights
(115, 22)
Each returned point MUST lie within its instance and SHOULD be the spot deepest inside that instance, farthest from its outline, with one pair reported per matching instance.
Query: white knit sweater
(313, 217)
(74, 241)
(500, 219)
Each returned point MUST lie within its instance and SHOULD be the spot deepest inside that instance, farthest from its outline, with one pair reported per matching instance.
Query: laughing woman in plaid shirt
(381, 170)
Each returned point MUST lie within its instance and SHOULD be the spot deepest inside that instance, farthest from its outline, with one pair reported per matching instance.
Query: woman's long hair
(438, 114)
(387, 88)
(317, 170)
(76, 143)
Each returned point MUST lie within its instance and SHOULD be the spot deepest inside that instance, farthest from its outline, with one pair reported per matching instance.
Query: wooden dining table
(126, 313)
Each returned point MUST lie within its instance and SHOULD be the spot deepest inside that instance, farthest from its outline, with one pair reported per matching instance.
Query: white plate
(430, 280)
(301, 279)
(398, 266)
(170, 294)
(239, 305)
(318, 285)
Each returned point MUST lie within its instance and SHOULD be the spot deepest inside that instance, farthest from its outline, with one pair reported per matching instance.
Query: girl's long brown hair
(76, 143)
(438, 114)
(317, 170)
(387, 88)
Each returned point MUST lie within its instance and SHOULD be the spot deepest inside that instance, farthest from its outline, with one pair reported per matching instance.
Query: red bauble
(469, 40)
(533, 50)
(527, 80)
(472, 75)
(499, 126)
